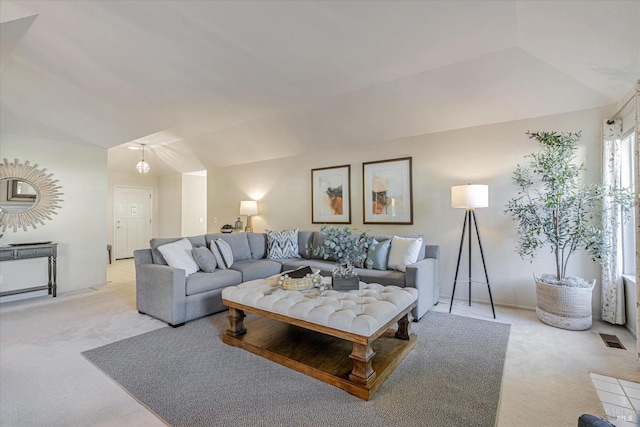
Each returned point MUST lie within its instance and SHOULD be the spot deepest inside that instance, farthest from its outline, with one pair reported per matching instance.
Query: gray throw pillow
(379, 255)
(205, 259)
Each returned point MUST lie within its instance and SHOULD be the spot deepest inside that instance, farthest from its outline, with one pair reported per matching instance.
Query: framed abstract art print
(387, 192)
(331, 195)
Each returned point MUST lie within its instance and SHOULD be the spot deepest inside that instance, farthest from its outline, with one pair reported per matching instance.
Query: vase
(564, 307)
(344, 278)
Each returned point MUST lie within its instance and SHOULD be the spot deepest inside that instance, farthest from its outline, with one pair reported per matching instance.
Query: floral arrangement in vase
(347, 249)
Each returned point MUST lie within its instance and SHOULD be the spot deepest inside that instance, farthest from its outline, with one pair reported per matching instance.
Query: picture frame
(331, 195)
(387, 192)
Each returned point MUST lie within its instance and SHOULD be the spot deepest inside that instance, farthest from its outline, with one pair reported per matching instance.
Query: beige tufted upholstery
(361, 312)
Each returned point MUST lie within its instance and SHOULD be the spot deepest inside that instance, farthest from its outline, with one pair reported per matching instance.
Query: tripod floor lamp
(470, 197)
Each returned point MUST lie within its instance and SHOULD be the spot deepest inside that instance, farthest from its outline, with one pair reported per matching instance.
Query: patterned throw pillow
(222, 252)
(282, 244)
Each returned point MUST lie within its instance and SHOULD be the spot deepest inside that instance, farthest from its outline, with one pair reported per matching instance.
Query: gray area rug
(189, 377)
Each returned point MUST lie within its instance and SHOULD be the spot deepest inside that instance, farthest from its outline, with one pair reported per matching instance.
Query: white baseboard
(447, 301)
(26, 295)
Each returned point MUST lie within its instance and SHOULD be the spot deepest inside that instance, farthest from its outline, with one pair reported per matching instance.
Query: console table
(27, 251)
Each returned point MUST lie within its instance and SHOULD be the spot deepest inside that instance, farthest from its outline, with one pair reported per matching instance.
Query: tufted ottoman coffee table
(332, 336)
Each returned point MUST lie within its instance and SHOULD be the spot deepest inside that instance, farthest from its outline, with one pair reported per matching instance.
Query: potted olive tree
(348, 250)
(555, 209)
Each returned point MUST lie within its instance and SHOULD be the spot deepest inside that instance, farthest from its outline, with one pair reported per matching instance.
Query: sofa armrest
(160, 289)
(423, 275)
(142, 256)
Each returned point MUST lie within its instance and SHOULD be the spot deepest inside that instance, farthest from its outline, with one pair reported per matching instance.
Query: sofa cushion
(379, 255)
(239, 245)
(157, 257)
(203, 282)
(404, 251)
(326, 267)
(258, 245)
(222, 252)
(257, 269)
(383, 277)
(205, 259)
(178, 255)
(305, 243)
(282, 244)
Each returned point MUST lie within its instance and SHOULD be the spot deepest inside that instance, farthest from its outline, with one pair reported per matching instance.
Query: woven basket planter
(564, 306)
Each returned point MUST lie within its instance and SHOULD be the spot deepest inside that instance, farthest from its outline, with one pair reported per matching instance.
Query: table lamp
(248, 208)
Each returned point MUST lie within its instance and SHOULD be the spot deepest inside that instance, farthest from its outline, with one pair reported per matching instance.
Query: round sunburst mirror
(28, 195)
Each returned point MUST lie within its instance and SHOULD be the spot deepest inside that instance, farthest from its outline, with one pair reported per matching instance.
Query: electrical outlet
(215, 220)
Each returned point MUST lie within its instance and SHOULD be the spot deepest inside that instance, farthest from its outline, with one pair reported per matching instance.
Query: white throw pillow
(222, 252)
(404, 251)
(178, 255)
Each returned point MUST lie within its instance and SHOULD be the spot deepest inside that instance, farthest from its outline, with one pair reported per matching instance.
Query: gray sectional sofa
(165, 293)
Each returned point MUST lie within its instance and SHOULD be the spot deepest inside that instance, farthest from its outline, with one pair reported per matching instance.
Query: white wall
(482, 155)
(170, 205)
(194, 205)
(79, 228)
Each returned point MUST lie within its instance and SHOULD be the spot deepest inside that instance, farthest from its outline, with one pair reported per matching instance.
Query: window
(628, 147)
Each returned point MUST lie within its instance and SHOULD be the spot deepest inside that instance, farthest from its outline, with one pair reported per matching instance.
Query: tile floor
(122, 270)
(620, 399)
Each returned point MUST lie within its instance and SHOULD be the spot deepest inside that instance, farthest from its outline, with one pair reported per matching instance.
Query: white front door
(133, 212)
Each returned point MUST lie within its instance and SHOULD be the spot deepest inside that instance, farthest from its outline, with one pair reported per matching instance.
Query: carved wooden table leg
(403, 328)
(236, 327)
(362, 356)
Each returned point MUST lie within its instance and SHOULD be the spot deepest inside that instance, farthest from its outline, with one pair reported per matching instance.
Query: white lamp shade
(248, 207)
(470, 196)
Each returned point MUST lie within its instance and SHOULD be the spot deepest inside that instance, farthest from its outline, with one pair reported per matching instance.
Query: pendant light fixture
(142, 166)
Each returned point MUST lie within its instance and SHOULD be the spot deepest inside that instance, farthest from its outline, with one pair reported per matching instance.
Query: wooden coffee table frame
(342, 359)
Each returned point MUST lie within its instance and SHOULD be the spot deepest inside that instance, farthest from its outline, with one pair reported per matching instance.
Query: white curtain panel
(637, 180)
(613, 310)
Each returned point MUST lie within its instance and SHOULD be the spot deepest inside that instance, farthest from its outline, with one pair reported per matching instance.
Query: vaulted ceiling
(216, 83)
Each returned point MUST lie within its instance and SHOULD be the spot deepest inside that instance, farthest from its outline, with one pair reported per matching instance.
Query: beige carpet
(44, 380)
